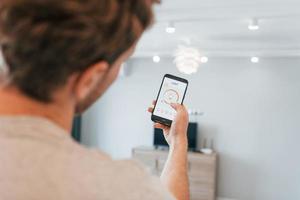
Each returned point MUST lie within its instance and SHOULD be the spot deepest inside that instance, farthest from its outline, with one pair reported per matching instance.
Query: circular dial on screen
(171, 96)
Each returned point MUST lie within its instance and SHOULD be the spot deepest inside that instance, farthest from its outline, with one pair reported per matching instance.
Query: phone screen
(172, 91)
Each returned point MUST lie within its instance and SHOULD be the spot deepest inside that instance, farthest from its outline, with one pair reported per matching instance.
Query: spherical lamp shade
(187, 59)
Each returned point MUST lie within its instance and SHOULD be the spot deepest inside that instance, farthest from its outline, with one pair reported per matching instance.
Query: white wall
(251, 111)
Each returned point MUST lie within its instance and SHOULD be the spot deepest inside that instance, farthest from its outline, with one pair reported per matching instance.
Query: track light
(253, 25)
(170, 28)
(156, 59)
(255, 59)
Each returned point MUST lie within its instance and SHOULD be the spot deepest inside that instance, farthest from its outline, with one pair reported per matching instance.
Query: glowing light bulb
(255, 59)
(156, 59)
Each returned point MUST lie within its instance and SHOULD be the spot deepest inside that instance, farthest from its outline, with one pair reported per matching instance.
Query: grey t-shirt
(40, 161)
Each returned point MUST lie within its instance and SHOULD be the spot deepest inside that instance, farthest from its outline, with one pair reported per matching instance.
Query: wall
(252, 113)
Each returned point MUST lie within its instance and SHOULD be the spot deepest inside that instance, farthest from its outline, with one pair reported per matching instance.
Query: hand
(177, 133)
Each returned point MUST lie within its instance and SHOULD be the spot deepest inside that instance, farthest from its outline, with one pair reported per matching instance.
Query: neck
(14, 103)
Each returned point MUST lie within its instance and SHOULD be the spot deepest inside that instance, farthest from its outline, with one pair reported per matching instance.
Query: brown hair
(45, 41)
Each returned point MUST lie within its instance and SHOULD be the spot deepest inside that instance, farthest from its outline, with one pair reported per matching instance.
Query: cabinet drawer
(201, 168)
(202, 189)
(201, 182)
(202, 195)
(195, 169)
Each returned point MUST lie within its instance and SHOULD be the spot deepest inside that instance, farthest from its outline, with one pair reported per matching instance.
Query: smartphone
(172, 90)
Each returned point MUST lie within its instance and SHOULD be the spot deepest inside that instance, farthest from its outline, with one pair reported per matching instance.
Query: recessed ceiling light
(255, 59)
(170, 28)
(204, 59)
(156, 59)
(253, 25)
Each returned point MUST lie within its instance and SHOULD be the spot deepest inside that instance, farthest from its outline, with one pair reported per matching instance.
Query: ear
(87, 81)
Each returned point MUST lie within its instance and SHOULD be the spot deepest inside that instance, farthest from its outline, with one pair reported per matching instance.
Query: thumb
(175, 106)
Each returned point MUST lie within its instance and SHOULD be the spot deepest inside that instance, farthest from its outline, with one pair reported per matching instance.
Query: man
(61, 56)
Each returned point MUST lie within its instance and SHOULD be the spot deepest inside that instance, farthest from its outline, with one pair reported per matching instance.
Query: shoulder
(130, 179)
(120, 179)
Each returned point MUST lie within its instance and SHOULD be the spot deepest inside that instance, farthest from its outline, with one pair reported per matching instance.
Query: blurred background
(242, 59)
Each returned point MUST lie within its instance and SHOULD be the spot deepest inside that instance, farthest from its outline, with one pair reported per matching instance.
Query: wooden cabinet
(201, 170)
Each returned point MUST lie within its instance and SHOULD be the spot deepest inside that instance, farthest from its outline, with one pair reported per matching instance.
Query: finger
(153, 102)
(160, 126)
(150, 109)
(176, 106)
(157, 125)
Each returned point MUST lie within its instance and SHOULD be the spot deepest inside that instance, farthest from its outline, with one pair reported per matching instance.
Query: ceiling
(219, 28)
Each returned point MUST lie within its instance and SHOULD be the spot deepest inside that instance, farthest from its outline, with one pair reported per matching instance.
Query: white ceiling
(219, 28)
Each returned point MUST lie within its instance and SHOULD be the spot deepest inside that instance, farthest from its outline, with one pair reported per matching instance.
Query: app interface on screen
(172, 91)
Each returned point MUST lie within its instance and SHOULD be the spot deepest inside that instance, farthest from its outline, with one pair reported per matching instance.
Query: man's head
(74, 47)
